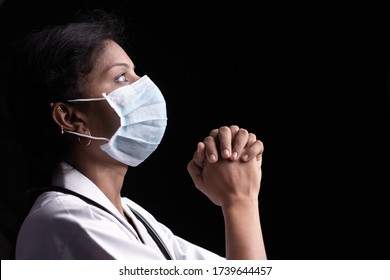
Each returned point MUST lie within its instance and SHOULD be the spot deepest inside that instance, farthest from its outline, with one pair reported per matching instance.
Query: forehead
(111, 54)
(111, 61)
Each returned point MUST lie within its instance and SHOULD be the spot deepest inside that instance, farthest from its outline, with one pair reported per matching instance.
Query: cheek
(107, 120)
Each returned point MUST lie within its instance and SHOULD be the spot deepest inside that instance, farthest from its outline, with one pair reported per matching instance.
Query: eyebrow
(117, 64)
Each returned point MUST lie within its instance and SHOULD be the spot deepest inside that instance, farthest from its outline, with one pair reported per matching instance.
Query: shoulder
(54, 209)
(64, 226)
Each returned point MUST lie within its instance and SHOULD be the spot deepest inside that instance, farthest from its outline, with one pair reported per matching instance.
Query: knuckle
(224, 129)
(252, 136)
(214, 132)
(261, 144)
(207, 139)
(234, 128)
(243, 131)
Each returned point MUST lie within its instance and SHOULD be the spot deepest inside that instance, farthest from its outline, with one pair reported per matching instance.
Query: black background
(309, 81)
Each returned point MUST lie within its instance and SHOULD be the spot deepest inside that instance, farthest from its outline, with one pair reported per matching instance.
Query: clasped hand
(226, 166)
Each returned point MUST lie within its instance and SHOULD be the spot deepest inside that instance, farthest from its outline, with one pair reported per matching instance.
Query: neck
(108, 178)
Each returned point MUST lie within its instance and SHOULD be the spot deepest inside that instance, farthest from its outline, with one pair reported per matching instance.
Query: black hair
(50, 65)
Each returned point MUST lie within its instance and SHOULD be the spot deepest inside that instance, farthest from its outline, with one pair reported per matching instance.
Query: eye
(121, 78)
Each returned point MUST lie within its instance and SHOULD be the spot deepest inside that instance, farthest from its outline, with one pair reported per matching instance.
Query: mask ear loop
(79, 134)
(89, 133)
(89, 139)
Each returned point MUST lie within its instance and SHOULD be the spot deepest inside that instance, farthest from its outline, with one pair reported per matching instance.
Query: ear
(67, 117)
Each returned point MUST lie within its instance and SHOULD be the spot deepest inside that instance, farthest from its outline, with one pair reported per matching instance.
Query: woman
(93, 117)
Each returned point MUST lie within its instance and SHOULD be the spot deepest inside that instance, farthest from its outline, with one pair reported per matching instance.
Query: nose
(134, 77)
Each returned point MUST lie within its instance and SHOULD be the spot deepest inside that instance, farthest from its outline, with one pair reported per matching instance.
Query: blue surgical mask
(142, 111)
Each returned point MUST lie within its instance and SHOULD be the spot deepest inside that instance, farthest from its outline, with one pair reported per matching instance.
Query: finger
(239, 143)
(211, 150)
(214, 133)
(254, 150)
(199, 155)
(196, 173)
(234, 129)
(225, 141)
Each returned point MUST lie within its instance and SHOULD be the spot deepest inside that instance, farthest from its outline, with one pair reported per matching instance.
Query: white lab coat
(63, 226)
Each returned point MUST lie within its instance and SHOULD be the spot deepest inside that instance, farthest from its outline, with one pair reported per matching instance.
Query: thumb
(196, 173)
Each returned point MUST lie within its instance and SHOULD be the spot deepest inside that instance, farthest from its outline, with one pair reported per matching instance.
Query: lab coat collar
(70, 178)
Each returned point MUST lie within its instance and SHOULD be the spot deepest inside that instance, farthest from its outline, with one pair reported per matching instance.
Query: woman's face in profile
(114, 69)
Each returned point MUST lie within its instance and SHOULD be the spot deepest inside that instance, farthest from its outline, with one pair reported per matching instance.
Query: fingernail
(226, 153)
(235, 155)
(245, 157)
(212, 157)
